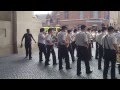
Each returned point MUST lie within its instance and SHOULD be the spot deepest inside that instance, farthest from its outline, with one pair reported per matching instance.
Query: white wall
(25, 21)
(5, 42)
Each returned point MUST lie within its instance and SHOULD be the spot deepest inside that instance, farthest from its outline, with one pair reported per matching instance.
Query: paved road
(16, 67)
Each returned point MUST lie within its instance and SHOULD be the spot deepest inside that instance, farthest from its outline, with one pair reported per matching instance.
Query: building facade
(74, 18)
(13, 25)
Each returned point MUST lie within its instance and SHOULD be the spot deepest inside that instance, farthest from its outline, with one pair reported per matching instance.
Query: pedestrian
(41, 44)
(82, 46)
(100, 47)
(97, 45)
(73, 41)
(62, 48)
(89, 42)
(70, 49)
(50, 47)
(28, 42)
(110, 51)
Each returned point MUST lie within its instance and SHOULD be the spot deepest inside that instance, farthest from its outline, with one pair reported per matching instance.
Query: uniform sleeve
(102, 41)
(114, 40)
(85, 38)
(64, 36)
(48, 38)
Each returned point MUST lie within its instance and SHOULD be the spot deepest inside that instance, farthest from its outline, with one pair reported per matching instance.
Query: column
(14, 28)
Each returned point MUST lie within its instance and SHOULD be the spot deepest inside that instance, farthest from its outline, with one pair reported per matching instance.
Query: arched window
(95, 14)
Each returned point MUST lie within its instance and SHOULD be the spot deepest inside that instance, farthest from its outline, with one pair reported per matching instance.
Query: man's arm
(33, 38)
(22, 40)
(48, 40)
(115, 44)
(86, 41)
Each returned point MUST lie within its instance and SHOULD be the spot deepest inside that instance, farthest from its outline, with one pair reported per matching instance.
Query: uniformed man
(110, 50)
(82, 49)
(62, 48)
(70, 49)
(100, 48)
(28, 38)
(73, 40)
(97, 45)
(89, 42)
(50, 47)
(41, 44)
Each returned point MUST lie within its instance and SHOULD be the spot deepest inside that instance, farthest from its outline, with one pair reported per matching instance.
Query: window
(81, 14)
(58, 21)
(95, 14)
(66, 13)
(106, 15)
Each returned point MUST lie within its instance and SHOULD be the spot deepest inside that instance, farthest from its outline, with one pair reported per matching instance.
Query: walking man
(28, 41)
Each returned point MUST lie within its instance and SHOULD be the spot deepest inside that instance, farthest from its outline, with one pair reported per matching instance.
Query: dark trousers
(109, 56)
(70, 49)
(89, 52)
(100, 56)
(50, 49)
(28, 50)
(97, 50)
(63, 53)
(92, 43)
(73, 47)
(82, 55)
(42, 50)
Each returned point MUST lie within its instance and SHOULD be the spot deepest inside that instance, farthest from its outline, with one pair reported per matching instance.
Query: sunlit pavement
(16, 67)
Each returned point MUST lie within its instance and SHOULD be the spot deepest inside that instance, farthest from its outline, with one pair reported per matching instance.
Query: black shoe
(54, 63)
(68, 68)
(73, 60)
(30, 58)
(26, 57)
(60, 68)
(79, 74)
(40, 60)
(99, 68)
(89, 72)
(47, 64)
(114, 78)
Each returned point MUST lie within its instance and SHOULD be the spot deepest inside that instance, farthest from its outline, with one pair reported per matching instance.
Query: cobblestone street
(16, 67)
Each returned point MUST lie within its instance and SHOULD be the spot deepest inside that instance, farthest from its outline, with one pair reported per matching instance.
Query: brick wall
(74, 18)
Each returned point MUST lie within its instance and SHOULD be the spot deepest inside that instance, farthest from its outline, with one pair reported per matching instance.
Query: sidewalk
(16, 67)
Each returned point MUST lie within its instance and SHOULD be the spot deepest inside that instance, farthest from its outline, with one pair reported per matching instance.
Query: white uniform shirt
(49, 38)
(118, 37)
(111, 39)
(99, 38)
(41, 38)
(61, 37)
(89, 37)
(81, 38)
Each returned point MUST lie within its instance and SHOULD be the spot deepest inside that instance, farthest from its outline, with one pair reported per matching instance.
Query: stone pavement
(16, 67)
